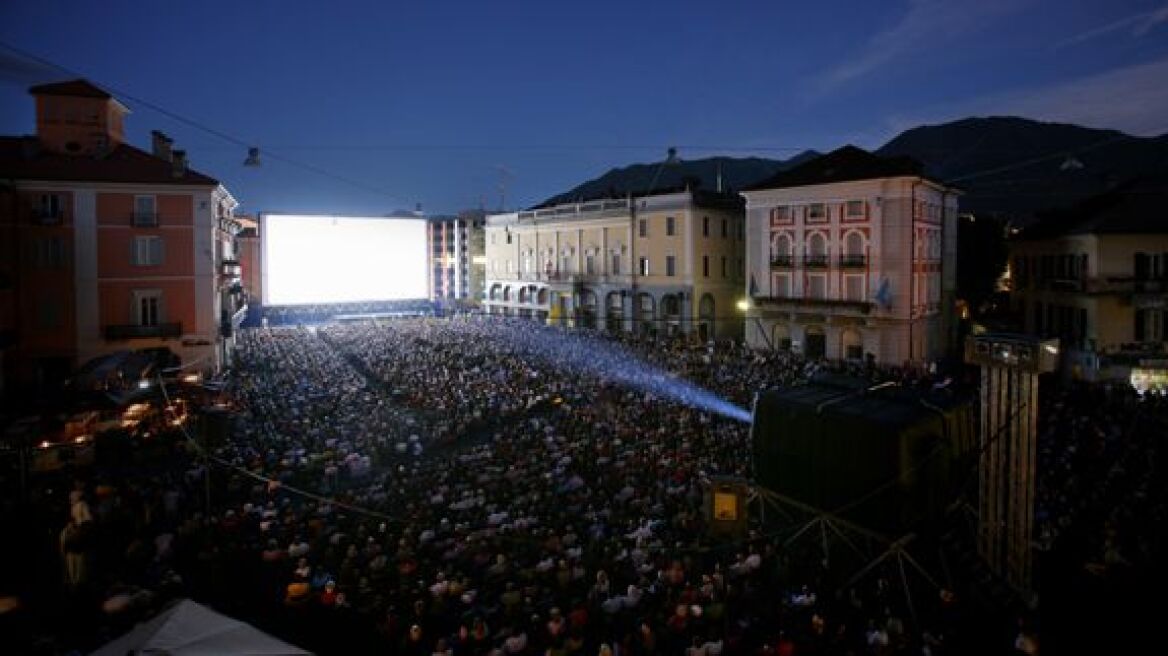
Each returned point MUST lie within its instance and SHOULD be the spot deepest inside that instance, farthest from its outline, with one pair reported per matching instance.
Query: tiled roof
(76, 88)
(841, 165)
(22, 158)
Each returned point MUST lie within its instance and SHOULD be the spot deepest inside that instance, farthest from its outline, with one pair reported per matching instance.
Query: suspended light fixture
(253, 157)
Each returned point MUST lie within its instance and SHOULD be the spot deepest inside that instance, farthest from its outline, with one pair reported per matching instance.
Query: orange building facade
(108, 247)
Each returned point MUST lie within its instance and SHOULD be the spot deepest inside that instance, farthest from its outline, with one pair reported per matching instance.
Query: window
(48, 253)
(148, 307)
(854, 288)
(616, 268)
(49, 208)
(590, 264)
(782, 214)
(724, 226)
(706, 266)
(643, 228)
(670, 265)
(148, 251)
(145, 211)
(644, 266)
(705, 226)
(782, 285)
(723, 266)
(855, 209)
(508, 236)
(816, 212)
(817, 287)
(566, 264)
(669, 226)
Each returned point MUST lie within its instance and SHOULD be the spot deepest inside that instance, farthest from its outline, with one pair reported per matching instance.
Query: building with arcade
(664, 263)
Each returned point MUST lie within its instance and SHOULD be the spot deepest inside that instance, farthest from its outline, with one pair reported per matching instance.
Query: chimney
(179, 160)
(160, 144)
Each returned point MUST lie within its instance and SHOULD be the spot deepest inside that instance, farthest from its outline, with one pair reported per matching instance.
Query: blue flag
(883, 295)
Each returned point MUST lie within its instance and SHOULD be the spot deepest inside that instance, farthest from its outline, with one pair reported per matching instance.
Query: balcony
(815, 261)
(1124, 285)
(134, 331)
(853, 261)
(230, 268)
(863, 307)
(782, 261)
(144, 219)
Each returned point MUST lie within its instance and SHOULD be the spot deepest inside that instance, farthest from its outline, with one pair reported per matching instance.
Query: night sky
(438, 102)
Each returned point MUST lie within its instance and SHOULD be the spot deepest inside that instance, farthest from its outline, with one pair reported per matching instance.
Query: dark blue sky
(437, 102)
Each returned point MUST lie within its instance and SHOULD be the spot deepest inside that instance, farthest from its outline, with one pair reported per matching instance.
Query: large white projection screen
(337, 259)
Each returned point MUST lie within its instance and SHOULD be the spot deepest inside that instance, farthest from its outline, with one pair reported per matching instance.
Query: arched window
(780, 244)
(854, 244)
(816, 245)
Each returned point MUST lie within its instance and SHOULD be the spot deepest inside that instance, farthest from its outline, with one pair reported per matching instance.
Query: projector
(1022, 352)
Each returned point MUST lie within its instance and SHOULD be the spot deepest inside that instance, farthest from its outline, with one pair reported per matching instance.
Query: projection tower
(1010, 366)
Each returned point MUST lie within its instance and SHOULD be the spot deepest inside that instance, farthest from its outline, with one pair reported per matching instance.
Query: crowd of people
(457, 486)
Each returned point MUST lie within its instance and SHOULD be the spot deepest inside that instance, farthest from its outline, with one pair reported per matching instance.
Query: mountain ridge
(1007, 166)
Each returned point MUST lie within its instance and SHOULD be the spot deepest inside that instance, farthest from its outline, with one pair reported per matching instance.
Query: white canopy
(191, 629)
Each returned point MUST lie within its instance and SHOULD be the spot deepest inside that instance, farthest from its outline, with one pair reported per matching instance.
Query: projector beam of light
(612, 362)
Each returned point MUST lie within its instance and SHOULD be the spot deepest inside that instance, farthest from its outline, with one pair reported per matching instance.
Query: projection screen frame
(265, 219)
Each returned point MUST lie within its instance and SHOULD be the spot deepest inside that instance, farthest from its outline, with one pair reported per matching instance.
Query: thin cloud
(926, 23)
(1132, 99)
(1136, 25)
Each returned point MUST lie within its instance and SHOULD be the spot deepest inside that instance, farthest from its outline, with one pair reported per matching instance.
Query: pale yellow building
(667, 263)
(852, 256)
(1097, 278)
